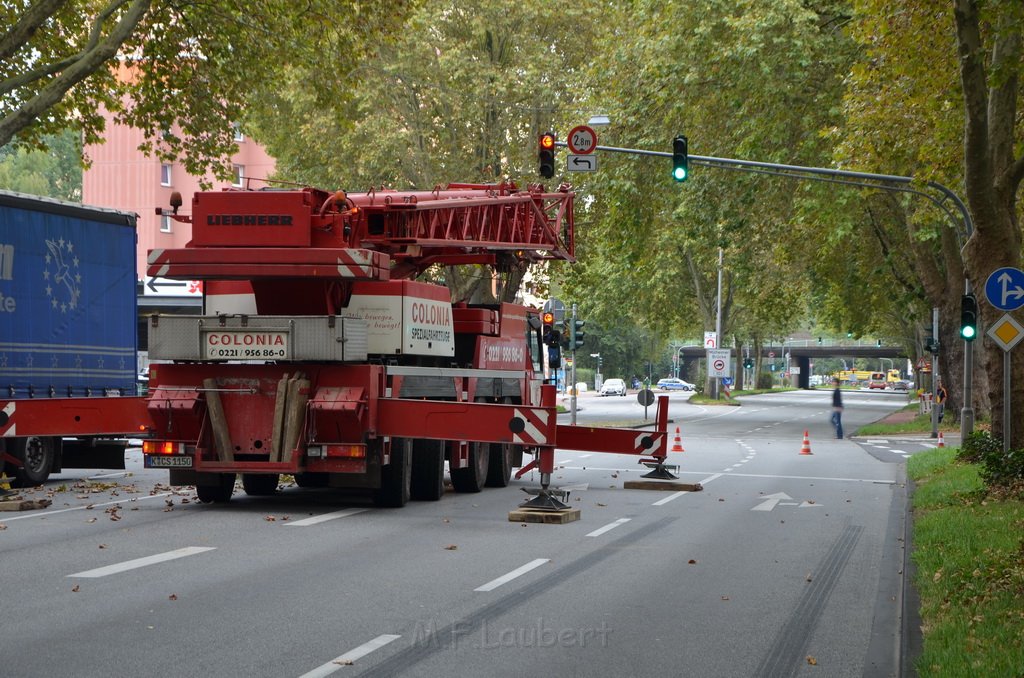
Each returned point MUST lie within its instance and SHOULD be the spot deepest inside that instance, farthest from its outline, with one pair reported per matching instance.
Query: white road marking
(676, 495)
(305, 522)
(350, 656)
(45, 514)
(610, 526)
(584, 456)
(765, 475)
(518, 572)
(143, 562)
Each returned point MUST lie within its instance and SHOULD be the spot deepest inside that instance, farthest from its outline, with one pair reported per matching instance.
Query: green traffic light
(679, 174)
(968, 332)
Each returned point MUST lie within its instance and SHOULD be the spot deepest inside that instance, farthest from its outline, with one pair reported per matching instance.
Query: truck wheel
(472, 478)
(395, 478)
(499, 469)
(215, 487)
(260, 484)
(36, 455)
(427, 470)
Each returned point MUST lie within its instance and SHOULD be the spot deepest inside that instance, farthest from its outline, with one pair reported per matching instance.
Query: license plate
(168, 462)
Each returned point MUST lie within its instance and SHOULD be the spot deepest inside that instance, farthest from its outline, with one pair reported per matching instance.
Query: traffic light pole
(572, 371)
(885, 182)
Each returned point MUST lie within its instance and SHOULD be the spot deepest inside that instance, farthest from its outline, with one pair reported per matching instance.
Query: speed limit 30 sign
(582, 140)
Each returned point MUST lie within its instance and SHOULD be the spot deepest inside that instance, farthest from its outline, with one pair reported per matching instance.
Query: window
(165, 175)
(237, 127)
(239, 177)
(165, 223)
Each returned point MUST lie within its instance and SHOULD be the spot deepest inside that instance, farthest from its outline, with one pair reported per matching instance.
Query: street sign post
(711, 340)
(719, 363)
(582, 140)
(581, 163)
(1006, 332)
(1004, 288)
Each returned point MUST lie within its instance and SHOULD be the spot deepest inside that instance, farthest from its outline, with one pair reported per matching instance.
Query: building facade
(122, 178)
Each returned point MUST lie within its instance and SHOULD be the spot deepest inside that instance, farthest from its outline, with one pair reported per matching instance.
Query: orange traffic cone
(677, 443)
(806, 447)
(942, 443)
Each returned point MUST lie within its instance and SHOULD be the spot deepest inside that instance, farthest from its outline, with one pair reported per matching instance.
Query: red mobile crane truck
(348, 372)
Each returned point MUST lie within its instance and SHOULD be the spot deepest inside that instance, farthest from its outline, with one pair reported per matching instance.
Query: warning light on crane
(546, 155)
(680, 159)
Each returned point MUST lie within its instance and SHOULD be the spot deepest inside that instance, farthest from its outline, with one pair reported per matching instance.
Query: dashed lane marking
(46, 514)
(676, 495)
(351, 656)
(610, 526)
(306, 522)
(117, 568)
(518, 572)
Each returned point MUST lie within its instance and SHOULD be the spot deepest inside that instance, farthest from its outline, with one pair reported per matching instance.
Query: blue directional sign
(1004, 289)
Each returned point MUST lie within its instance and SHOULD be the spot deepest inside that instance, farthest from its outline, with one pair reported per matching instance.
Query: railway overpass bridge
(802, 354)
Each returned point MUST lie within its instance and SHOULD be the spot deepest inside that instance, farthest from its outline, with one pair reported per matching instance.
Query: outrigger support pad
(659, 470)
(545, 500)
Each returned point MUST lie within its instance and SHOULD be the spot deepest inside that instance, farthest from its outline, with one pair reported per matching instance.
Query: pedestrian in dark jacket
(837, 409)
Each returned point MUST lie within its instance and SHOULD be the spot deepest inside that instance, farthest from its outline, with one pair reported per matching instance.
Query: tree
(163, 67)
(56, 174)
(989, 44)
(747, 80)
(460, 95)
(911, 67)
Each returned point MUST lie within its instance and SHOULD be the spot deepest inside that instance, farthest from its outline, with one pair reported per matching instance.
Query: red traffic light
(547, 141)
(548, 318)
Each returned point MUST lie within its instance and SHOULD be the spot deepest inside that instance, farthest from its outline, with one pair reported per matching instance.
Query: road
(786, 564)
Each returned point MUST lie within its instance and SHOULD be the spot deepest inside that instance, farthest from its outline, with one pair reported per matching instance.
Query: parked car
(613, 387)
(901, 385)
(672, 384)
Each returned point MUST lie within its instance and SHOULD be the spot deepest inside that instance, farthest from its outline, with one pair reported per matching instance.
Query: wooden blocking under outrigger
(528, 515)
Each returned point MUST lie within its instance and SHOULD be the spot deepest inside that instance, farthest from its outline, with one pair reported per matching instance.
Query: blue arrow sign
(1004, 289)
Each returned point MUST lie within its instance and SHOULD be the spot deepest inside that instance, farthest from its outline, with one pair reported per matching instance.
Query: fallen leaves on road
(812, 661)
(451, 547)
(342, 662)
(103, 546)
(172, 597)
(691, 561)
(75, 589)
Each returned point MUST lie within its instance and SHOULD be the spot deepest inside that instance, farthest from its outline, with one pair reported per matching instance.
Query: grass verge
(970, 570)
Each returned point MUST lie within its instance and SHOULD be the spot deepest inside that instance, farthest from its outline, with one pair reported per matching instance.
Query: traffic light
(968, 317)
(680, 159)
(576, 333)
(931, 344)
(546, 155)
(748, 363)
(878, 343)
(551, 335)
